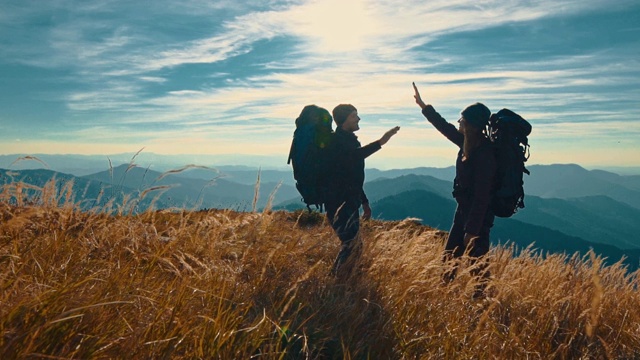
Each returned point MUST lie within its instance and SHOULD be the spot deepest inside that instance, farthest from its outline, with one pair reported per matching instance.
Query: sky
(229, 77)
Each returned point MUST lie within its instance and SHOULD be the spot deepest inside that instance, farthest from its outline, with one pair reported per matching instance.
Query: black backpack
(508, 131)
(309, 154)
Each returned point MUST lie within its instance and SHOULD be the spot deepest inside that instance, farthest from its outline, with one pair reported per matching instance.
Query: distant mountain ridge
(193, 193)
(569, 181)
(87, 194)
(598, 219)
(80, 165)
(165, 190)
(547, 181)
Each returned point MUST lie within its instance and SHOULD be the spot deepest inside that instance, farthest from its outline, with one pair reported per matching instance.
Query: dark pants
(345, 221)
(455, 242)
(455, 247)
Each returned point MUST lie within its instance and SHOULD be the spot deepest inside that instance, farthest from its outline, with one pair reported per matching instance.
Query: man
(346, 193)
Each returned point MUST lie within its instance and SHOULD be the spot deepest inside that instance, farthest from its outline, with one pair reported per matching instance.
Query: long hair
(473, 137)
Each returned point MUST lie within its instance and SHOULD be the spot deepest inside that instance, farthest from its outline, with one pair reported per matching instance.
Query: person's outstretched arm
(369, 149)
(447, 129)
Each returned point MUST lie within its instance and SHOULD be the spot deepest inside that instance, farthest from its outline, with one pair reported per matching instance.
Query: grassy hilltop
(227, 285)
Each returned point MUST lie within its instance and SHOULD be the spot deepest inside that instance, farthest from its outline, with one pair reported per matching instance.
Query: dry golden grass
(226, 285)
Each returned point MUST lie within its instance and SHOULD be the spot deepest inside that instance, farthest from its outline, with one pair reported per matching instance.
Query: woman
(472, 186)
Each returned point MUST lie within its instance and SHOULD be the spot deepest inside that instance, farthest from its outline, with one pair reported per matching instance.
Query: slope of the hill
(229, 285)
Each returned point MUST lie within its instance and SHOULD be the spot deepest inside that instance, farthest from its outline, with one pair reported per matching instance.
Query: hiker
(472, 186)
(346, 193)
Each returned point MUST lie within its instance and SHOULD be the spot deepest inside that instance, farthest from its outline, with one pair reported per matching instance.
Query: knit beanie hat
(477, 115)
(342, 112)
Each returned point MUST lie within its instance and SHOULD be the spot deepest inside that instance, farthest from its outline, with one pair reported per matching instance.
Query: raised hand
(417, 96)
(383, 140)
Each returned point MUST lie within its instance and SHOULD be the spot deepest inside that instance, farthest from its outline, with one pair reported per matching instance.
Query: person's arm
(365, 151)
(484, 169)
(447, 129)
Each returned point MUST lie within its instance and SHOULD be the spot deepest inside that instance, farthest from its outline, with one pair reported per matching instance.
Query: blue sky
(229, 77)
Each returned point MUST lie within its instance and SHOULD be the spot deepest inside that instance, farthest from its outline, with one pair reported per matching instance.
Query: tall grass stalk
(256, 193)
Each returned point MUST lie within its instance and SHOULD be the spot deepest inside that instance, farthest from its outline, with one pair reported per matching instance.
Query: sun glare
(335, 25)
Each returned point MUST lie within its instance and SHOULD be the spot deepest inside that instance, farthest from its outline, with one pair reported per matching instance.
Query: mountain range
(164, 190)
(568, 208)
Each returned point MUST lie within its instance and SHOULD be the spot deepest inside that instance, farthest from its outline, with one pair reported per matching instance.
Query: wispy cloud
(226, 70)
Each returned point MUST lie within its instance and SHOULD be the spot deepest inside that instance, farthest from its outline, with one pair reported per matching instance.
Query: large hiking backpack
(309, 154)
(508, 132)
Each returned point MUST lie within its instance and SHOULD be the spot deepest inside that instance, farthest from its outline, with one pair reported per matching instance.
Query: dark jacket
(473, 185)
(347, 176)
